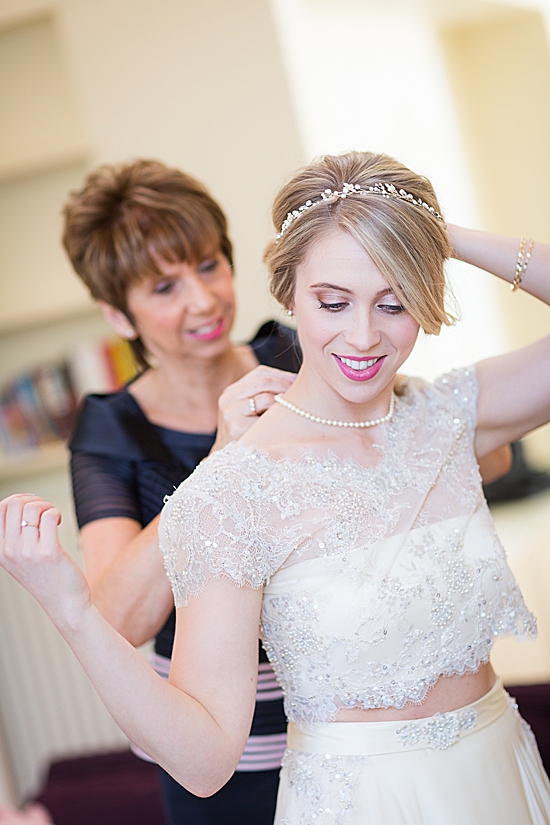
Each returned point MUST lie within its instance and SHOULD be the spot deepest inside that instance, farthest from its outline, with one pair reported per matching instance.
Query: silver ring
(252, 405)
(26, 523)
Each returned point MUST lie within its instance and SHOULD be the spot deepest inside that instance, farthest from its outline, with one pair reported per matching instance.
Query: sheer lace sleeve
(461, 388)
(219, 524)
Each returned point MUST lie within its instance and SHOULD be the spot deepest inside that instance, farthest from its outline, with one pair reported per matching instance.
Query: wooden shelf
(45, 459)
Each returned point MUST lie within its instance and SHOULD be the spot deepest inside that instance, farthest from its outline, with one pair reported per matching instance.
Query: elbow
(113, 618)
(496, 464)
(130, 633)
(136, 639)
(205, 792)
(204, 786)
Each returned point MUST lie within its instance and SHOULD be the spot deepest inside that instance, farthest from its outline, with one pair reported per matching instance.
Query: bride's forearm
(498, 254)
(168, 724)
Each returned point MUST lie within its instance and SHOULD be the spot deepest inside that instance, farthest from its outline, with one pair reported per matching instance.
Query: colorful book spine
(40, 405)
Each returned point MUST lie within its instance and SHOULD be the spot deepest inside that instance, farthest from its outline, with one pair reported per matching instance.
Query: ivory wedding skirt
(475, 766)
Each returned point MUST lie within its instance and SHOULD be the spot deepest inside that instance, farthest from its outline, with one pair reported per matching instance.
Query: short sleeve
(102, 488)
(217, 525)
(460, 389)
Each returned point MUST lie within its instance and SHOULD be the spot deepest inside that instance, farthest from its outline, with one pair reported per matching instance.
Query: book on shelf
(40, 405)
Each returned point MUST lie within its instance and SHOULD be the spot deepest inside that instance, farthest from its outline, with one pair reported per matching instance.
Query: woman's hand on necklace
(241, 403)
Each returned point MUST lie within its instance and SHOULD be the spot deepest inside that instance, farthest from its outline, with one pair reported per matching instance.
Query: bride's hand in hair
(242, 402)
(30, 552)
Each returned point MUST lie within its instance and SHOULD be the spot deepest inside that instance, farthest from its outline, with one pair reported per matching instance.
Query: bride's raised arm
(196, 727)
(514, 388)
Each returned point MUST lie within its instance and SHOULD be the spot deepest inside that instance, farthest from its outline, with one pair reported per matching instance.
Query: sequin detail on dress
(441, 731)
(377, 580)
(323, 786)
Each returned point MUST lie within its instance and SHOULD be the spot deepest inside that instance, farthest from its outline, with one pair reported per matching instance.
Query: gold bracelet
(524, 255)
(519, 264)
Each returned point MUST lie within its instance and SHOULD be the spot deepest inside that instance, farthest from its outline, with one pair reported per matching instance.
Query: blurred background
(239, 94)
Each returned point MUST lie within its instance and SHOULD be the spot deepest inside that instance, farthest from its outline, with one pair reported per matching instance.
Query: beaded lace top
(376, 580)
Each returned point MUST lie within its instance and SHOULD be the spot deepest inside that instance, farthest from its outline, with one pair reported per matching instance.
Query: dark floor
(108, 789)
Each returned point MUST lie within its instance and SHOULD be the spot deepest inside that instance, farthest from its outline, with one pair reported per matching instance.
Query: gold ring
(26, 523)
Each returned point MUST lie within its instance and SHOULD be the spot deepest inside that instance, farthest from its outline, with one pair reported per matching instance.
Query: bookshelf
(81, 350)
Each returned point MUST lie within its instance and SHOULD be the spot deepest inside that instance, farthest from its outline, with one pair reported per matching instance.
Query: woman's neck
(181, 394)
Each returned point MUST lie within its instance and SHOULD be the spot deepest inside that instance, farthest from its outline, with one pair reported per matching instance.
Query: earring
(290, 313)
(130, 334)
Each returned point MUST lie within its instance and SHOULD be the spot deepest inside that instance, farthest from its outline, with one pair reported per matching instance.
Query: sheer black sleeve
(110, 440)
(103, 487)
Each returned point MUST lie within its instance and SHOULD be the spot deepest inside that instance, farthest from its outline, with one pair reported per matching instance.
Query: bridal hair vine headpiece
(386, 190)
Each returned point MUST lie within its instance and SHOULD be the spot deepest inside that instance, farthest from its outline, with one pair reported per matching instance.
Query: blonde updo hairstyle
(406, 242)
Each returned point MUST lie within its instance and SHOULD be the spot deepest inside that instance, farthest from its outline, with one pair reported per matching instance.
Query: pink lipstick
(359, 369)
(207, 332)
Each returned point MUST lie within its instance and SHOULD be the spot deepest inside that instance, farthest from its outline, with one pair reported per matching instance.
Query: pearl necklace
(318, 420)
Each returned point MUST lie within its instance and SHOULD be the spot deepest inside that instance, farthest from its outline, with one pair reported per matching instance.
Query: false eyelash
(332, 307)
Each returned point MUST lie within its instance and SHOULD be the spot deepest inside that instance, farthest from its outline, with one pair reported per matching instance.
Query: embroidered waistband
(440, 731)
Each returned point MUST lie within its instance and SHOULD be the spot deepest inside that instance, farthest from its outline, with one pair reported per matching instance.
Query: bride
(349, 527)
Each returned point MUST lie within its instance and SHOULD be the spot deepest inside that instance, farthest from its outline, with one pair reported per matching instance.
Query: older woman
(152, 246)
(348, 523)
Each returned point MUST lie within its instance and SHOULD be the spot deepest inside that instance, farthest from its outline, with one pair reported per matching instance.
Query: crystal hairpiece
(387, 190)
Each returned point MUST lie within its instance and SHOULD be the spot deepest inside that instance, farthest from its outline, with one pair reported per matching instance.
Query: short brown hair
(407, 244)
(126, 216)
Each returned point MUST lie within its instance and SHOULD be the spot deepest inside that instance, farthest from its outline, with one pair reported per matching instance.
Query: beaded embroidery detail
(323, 785)
(441, 731)
(376, 580)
